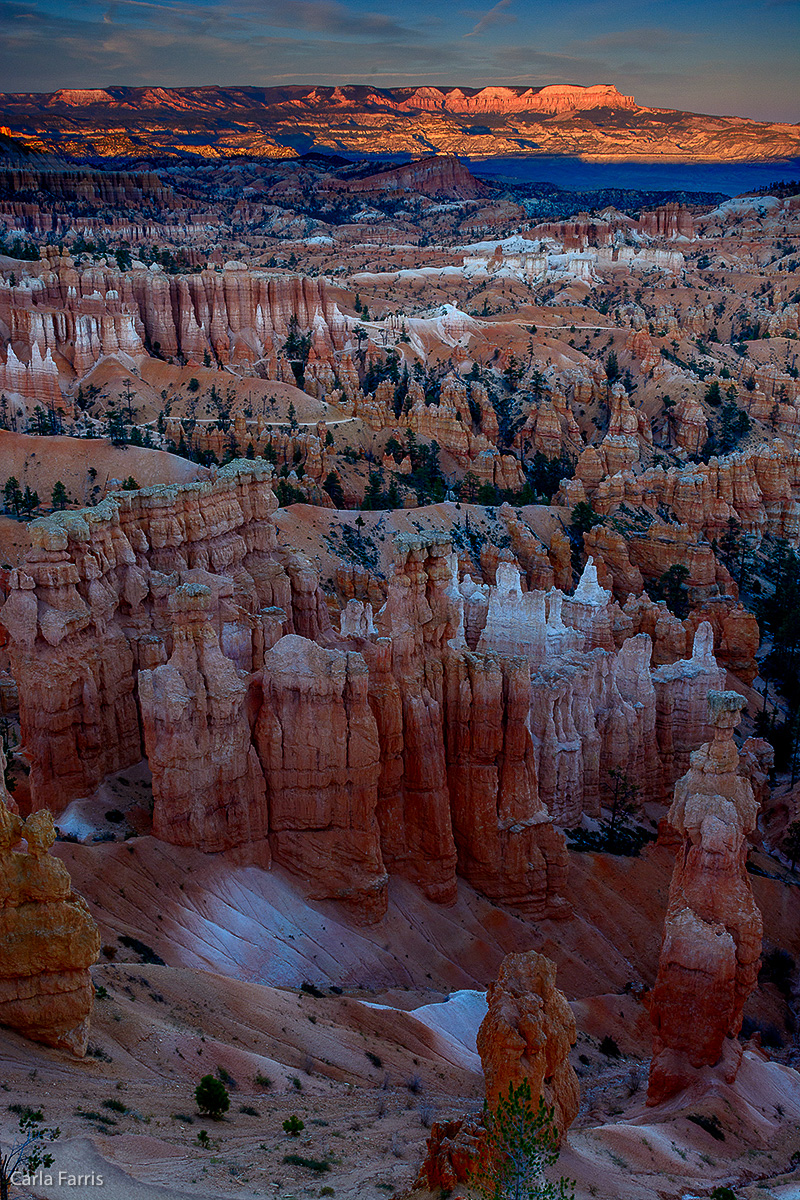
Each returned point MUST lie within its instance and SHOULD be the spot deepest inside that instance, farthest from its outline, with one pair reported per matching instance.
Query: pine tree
(791, 843)
(60, 497)
(13, 494)
(521, 1142)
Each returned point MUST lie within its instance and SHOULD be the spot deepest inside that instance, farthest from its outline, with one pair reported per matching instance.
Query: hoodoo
(712, 936)
(48, 939)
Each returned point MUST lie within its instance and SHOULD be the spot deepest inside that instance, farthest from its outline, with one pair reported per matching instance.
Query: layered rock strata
(757, 488)
(507, 846)
(420, 619)
(712, 937)
(73, 316)
(91, 605)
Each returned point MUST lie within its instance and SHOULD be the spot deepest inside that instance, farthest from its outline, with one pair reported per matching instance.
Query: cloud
(498, 13)
(143, 43)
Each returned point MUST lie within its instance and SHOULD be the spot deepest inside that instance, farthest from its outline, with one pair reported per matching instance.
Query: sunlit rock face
(361, 120)
(712, 936)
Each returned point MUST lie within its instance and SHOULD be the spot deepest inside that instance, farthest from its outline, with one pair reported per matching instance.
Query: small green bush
(212, 1097)
(293, 1125)
(312, 1164)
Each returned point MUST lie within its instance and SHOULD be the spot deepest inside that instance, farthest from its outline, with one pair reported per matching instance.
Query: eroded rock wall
(91, 604)
(167, 622)
(73, 316)
(507, 847)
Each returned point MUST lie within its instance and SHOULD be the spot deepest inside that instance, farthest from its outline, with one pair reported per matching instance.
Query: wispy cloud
(498, 13)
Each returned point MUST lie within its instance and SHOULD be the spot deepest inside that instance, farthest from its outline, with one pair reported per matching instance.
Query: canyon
(399, 573)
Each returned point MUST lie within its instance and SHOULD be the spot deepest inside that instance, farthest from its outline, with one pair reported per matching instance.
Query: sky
(737, 57)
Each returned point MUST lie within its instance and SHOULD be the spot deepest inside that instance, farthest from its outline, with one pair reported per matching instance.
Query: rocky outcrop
(593, 706)
(91, 605)
(527, 1034)
(436, 175)
(208, 786)
(756, 488)
(77, 315)
(736, 634)
(73, 665)
(388, 746)
(317, 740)
(682, 689)
(452, 1153)
(553, 98)
(667, 221)
(525, 1037)
(420, 618)
(507, 847)
(712, 937)
(48, 939)
(129, 189)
